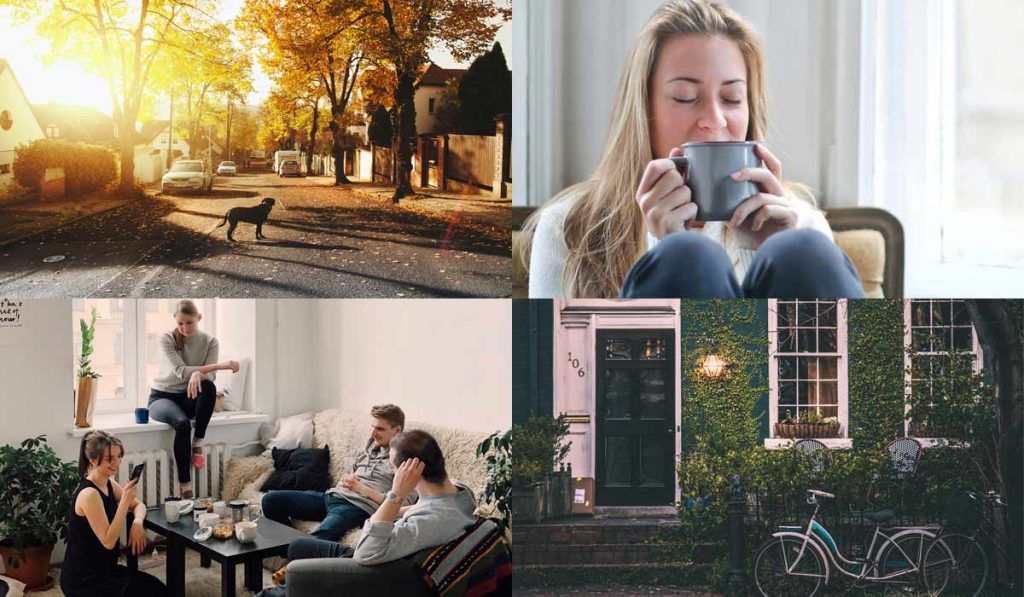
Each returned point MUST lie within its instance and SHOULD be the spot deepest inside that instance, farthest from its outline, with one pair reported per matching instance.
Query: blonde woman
(695, 74)
(184, 388)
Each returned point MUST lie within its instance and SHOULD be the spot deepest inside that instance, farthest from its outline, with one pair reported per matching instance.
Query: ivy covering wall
(725, 420)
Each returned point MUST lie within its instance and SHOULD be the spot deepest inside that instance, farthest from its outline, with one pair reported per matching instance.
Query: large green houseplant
(36, 488)
(497, 452)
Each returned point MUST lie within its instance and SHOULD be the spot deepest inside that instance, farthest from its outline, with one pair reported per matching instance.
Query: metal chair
(816, 452)
(904, 455)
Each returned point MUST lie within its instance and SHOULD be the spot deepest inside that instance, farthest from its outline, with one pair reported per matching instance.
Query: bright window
(808, 363)
(126, 346)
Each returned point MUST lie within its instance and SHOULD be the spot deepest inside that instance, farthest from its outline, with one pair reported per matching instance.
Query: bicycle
(963, 566)
(802, 560)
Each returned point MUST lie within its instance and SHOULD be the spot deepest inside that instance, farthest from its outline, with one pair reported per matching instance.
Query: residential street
(320, 241)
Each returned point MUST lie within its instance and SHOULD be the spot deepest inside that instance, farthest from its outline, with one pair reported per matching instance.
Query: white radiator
(161, 477)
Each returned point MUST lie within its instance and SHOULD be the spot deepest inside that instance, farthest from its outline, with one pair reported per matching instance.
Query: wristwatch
(391, 495)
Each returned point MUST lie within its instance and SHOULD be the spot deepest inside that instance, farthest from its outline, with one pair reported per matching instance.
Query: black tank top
(89, 568)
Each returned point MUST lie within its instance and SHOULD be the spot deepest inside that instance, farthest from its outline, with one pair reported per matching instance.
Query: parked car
(289, 167)
(226, 169)
(187, 175)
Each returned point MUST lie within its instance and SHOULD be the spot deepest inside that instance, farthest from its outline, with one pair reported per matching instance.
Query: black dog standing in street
(254, 215)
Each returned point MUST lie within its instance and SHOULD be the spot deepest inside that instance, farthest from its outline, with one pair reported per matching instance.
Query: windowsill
(119, 424)
(832, 443)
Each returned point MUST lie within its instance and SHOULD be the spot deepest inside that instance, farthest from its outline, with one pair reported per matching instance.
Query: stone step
(578, 576)
(610, 512)
(590, 531)
(616, 553)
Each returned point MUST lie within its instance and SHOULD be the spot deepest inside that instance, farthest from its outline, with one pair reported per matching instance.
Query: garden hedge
(87, 168)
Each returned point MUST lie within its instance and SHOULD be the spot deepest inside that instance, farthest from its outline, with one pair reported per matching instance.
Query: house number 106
(576, 365)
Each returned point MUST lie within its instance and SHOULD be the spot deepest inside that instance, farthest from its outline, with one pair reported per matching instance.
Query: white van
(282, 155)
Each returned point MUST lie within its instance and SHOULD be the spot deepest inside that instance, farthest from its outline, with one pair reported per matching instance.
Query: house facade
(615, 369)
(18, 124)
(428, 95)
(151, 150)
(80, 124)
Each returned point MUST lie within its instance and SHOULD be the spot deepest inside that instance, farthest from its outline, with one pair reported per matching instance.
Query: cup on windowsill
(142, 416)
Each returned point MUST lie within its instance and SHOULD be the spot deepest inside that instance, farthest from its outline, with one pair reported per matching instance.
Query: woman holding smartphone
(696, 74)
(184, 388)
(98, 513)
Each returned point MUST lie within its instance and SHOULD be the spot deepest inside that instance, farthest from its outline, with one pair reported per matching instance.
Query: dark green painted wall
(532, 345)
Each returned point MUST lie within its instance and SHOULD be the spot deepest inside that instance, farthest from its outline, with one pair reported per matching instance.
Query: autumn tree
(323, 39)
(409, 29)
(201, 76)
(119, 40)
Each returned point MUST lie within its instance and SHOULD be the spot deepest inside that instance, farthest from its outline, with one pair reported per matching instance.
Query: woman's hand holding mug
(767, 212)
(664, 197)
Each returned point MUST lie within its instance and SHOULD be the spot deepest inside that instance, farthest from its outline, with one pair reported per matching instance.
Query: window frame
(133, 352)
(908, 354)
(842, 374)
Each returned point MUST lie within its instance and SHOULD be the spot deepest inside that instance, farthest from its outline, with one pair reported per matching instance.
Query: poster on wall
(13, 314)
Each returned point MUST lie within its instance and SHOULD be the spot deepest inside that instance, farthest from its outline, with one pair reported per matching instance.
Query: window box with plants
(539, 490)
(808, 425)
(36, 488)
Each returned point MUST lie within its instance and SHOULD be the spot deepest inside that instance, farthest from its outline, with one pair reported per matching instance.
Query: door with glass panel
(635, 449)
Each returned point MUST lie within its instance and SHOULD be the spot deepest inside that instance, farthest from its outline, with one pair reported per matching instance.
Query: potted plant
(36, 488)
(87, 386)
(497, 451)
(539, 450)
(807, 425)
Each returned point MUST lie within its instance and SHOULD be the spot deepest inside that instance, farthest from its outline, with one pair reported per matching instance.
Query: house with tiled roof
(429, 89)
(81, 124)
(18, 124)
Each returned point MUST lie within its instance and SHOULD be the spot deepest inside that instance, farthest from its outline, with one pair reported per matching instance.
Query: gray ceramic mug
(707, 168)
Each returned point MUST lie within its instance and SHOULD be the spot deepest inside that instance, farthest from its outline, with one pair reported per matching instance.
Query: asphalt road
(322, 241)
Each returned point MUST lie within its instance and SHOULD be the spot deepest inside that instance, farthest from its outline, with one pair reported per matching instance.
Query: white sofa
(346, 433)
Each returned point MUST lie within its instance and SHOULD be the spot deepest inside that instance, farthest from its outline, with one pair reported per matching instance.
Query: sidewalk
(25, 218)
(480, 209)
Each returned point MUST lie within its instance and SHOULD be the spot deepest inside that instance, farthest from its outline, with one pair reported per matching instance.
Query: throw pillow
(302, 469)
(11, 588)
(476, 563)
(288, 433)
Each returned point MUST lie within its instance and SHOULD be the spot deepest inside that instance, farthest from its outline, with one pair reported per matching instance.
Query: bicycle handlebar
(990, 496)
(823, 494)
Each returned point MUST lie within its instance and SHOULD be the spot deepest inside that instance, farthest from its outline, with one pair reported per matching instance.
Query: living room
(290, 357)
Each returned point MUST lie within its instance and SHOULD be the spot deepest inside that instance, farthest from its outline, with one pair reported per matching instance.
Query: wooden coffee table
(272, 539)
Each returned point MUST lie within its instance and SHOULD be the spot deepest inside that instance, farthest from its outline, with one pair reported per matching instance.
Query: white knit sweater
(549, 251)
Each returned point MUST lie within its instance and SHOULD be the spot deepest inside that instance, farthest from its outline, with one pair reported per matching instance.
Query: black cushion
(302, 469)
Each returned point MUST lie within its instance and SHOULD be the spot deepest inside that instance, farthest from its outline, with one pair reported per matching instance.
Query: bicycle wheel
(780, 569)
(898, 564)
(955, 565)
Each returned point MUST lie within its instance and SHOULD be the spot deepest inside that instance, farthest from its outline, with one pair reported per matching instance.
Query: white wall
(425, 121)
(24, 127)
(444, 361)
(812, 58)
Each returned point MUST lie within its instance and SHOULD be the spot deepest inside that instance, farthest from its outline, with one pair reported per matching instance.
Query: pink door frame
(575, 335)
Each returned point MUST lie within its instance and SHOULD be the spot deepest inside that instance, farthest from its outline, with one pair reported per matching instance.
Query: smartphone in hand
(137, 472)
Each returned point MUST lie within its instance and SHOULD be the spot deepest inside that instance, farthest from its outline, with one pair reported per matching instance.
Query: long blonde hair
(604, 229)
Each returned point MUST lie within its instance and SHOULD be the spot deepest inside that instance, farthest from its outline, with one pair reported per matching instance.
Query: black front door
(635, 418)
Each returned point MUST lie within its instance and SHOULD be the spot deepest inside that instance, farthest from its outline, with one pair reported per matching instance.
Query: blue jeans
(793, 264)
(337, 514)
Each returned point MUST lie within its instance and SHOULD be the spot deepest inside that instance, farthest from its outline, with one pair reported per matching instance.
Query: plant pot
(527, 506)
(32, 570)
(85, 401)
(806, 430)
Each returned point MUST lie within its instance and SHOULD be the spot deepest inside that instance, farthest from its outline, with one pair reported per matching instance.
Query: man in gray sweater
(376, 565)
(357, 495)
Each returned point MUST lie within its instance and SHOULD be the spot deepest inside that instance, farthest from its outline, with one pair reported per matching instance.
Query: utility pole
(227, 142)
(170, 132)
